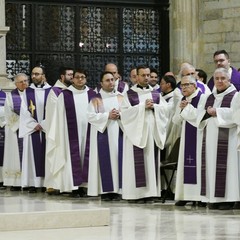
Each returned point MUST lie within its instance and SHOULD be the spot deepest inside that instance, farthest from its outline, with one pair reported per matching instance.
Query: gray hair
(222, 70)
(191, 79)
(186, 66)
(20, 74)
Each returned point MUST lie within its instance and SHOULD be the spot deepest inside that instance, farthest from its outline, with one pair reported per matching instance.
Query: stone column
(185, 33)
(5, 83)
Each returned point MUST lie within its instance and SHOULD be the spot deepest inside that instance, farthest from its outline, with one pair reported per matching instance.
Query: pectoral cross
(31, 108)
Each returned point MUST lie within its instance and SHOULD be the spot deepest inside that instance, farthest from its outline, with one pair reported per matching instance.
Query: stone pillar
(185, 29)
(5, 83)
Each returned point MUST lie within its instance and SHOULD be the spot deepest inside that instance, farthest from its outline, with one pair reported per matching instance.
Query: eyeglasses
(185, 85)
(80, 77)
(36, 74)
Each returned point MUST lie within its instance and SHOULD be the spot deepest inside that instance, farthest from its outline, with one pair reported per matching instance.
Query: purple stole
(2, 129)
(38, 137)
(121, 86)
(222, 151)
(138, 153)
(77, 171)
(104, 153)
(16, 108)
(190, 155)
(57, 90)
(235, 80)
(91, 94)
(201, 86)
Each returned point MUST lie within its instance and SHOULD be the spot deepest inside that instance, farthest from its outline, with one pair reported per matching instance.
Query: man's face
(143, 76)
(164, 86)
(153, 79)
(221, 61)
(112, 69)
(37, 76)
(187, 87)
(188, 72)
(108, 82)
(221, 82)
(67, 78)
(133, 76)
(21, 82)
(79, 80)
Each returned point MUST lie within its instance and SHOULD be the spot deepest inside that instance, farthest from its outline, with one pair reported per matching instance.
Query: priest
(12, 167)
(220, 163)
(31, 129)
(144, 119)
(69, 134)
(105, 165)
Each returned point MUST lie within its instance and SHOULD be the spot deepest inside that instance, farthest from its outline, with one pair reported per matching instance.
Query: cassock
(220, 163)
(13, 144)
(105, 159)
(144, 136)
(50, 123)
(32, 113)
(69, 133)
(2, 131)
(188, 181)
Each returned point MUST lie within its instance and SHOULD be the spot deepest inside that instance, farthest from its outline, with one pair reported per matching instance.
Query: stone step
(54, 219)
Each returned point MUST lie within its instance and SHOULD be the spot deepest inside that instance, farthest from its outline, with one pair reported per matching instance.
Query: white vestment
(2, 124)
(26, 127)
(61, 165)
(236, 119)
(49, 123)
(98, 118)
(173, 130)
(224, 119)
(188, 191)
(143, 128)
(11, 166)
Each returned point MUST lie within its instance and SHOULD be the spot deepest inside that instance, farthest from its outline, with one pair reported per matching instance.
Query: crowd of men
(111, 141)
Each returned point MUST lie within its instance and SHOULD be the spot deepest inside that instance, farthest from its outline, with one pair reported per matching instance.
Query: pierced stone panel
(81, 35)
(55, 28)
(141, 30)
(18, 17)
(19, 64)
(99, 29)
(94, 65)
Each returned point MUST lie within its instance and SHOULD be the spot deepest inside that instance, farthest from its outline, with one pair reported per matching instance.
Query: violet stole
(138, 153)
(222, 151)
(57, 90)
(2, 129)
(103, 152)
(121, 86)
(73, 137)
(38, 138)
(91, 94)
(190, 155)
(16, 108)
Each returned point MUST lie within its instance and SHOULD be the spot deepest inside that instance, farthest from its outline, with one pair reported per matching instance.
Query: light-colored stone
(54, 219)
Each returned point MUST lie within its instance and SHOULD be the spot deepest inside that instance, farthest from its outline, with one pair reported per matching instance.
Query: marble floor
(127, 221)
